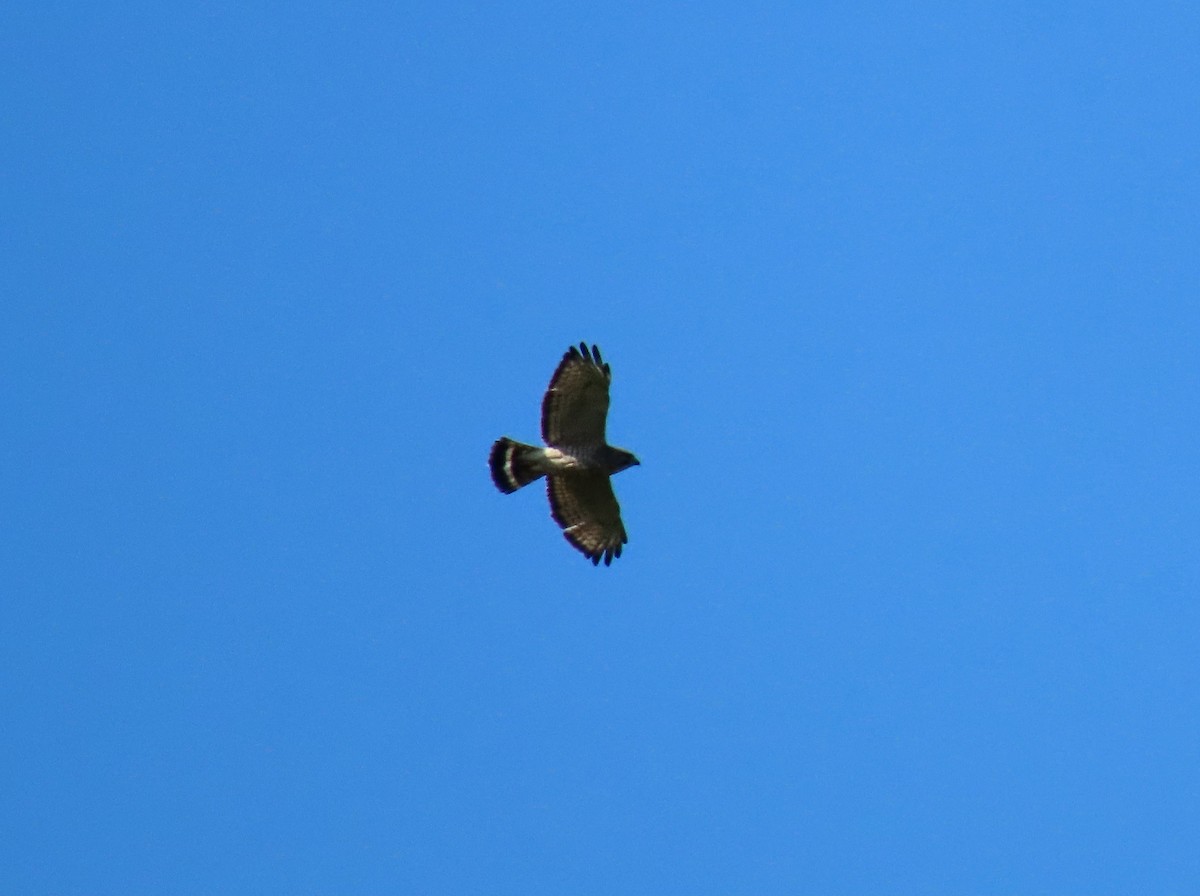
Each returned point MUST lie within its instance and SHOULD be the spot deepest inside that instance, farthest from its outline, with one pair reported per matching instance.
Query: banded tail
(512, 464)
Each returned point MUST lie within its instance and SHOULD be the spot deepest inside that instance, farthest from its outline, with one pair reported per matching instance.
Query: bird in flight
(577, 461)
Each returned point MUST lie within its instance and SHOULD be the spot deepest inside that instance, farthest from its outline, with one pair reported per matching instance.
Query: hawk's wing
(576, 404)
(585, 506)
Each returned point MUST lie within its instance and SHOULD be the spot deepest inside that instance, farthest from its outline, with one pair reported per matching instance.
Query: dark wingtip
(595, 559)
(591, 355)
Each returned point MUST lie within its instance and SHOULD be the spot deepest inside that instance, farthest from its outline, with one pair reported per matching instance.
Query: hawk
(577, 461)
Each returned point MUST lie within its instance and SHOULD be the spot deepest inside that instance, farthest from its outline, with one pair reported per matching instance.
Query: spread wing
(576, 404)
(585, 506)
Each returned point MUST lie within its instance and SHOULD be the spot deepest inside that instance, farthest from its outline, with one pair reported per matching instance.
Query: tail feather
(512, 465)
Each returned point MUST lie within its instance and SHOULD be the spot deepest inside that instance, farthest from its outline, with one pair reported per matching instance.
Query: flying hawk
(577, 461)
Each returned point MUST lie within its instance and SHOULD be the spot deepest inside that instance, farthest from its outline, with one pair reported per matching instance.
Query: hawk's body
(577, 461)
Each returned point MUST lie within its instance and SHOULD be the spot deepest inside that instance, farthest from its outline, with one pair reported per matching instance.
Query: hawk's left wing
(576, 404)
(585, 506)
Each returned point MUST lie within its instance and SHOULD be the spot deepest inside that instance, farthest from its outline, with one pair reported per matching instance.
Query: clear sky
(902, 308)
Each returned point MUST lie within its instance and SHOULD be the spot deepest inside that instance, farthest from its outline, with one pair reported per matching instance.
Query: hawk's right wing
(576, 404)
(585, 506)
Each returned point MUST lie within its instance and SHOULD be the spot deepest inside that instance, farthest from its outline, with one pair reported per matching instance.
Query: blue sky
(901, 304)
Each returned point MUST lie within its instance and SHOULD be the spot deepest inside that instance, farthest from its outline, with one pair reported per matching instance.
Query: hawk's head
(619, 459)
